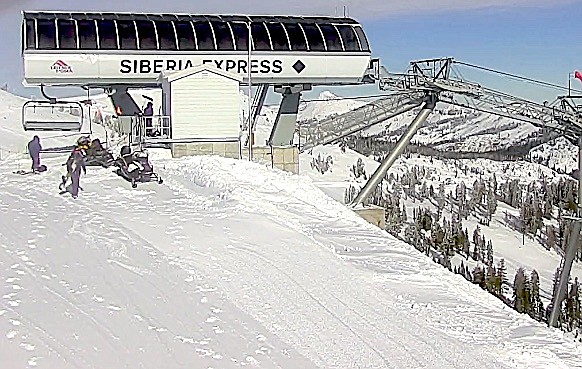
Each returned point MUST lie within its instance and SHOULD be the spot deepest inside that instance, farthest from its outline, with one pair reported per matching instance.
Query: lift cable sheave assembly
(438, 80)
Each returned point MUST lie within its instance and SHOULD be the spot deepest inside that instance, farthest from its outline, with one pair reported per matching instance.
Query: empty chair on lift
(52, 116)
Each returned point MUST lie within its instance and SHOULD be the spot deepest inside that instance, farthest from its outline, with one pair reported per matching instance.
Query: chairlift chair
(52, 115)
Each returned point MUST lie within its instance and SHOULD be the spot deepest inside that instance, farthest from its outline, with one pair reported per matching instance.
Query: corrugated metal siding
(205, 105)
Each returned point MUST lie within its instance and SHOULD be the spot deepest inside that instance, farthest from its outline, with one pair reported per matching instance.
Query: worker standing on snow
(34, 148)
(78, 165)
(76, 160)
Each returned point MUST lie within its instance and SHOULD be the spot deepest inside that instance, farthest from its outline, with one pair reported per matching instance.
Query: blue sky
(538, 39)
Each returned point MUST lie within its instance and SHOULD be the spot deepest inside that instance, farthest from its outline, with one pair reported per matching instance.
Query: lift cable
(542, 83)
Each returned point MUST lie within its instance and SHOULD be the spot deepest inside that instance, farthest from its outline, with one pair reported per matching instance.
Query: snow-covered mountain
(231, 264)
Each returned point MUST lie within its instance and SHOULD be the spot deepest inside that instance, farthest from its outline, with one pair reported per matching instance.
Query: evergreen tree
(521, 292)
(476, 242)
(537, 307)
(489, 253)
(479, 277)
(550, 237)
(502, 276)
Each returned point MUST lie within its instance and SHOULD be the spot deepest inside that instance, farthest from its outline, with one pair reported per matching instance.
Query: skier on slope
(34, 148)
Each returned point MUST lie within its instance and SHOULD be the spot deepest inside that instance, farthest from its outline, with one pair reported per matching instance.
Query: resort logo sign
(61, 67)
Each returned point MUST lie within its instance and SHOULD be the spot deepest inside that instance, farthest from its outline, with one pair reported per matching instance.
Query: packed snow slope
(231, 264)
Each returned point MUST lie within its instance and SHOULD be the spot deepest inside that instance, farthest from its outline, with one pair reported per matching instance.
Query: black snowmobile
(135, 167)
(97, 155)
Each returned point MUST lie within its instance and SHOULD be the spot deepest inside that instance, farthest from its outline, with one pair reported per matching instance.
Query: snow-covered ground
(230, 264)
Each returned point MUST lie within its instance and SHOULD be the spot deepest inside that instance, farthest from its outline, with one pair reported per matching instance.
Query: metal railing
(149, 129)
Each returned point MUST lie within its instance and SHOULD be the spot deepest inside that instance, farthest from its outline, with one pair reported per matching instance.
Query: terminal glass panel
(223, 36)
(127, 36)
(314, 37)
(349, 38)
(362, 37)
(185, 35)
(296, 37)
(278, 36)
(87, 34)
(46, 34)
(146, 34)
(204, 36)
(241, 35)
(107, 35)
(166, 35)
(331, 36)
(261, 41)
(67, 34)
(30, 34)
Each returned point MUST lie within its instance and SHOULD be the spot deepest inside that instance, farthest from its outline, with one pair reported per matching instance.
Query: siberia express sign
(147, 66)
(107, 69)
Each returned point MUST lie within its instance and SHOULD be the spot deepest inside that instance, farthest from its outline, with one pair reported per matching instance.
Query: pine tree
(489, 253)
(550, 237)
(479, 277)
(502, 276)
(537, 307)
(521, 292)
(476, 242)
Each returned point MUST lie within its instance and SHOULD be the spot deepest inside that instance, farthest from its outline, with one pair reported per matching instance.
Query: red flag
(578, 75)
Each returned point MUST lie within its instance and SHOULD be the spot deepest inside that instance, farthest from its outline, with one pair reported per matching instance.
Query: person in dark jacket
(80, 149)
(78, 164)
(34, 148)
(148, 113)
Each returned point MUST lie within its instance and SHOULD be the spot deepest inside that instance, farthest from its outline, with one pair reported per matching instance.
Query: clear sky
(537, 39)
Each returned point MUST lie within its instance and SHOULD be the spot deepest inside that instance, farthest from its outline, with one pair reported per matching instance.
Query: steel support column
(286, 122)
(571, 250)
(379, 174)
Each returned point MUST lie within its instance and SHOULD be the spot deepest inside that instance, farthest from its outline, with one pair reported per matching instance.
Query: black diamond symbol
(298, 66)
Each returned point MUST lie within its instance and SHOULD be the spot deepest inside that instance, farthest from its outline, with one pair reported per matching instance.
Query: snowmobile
(97, 155)
(135, 167)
